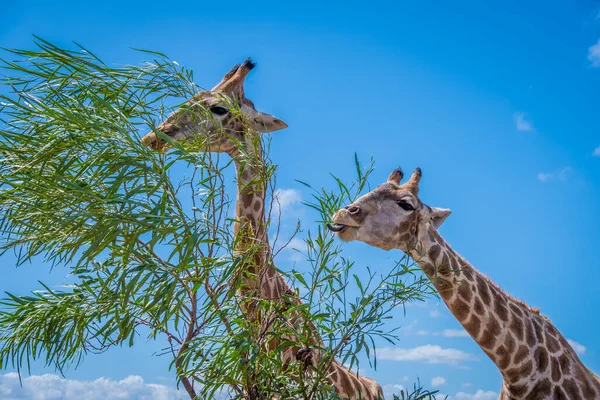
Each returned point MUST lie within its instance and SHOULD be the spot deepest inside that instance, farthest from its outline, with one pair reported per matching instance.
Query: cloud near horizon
(54, 387)
(478, 395)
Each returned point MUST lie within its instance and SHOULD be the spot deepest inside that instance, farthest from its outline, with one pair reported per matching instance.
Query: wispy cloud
(50, 386)
(390, 390)
(594, 54)
(454, 333)
(578, 347)
(285, 199)
(561, 175)
(478, 395)
(596, 152)
(295, 250)
(430, 354)
(437, 381)
(434, 313)
(521, 122)
(410, 329)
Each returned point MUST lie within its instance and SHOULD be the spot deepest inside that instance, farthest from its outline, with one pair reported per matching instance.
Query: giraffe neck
(250, 225)
(261, 280)
(250, 199)
(528, 350)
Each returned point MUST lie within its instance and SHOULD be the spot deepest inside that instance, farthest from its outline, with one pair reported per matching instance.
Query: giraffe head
(390, 216)
(217, 118)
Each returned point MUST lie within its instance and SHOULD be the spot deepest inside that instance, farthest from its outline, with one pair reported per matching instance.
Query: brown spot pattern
(529, 335)
(473, 326)
(483, 290)
(478, 307)
(554, 369)
(541, 391)
(434, 252)
(464, 291)
(500, 309)
(541, 358)
(565, 364)
(552, 344)
(460, 309)
(521, 354)
(518, 390)
(571, 389)
(488, 338)
(559, 394)
(516, 326)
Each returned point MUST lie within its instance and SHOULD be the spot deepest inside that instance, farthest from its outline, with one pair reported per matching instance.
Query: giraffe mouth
(340, 228)
(337, 227)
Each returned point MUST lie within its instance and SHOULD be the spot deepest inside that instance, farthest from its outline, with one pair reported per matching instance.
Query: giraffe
(208, 118)
(535, 360)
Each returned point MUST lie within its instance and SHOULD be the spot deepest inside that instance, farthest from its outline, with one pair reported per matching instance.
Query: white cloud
(430, 354)
(467, 384)
(434, 313)
(409, 330)
(594, 54)
(478, 395)
(561, 175)
(596, 152)
(296, 250)
(521, 123)
(455, 333)
(390, 390)
(438, 381)
(285, 199)
(297, 244)
(53, 387)
(578, 347)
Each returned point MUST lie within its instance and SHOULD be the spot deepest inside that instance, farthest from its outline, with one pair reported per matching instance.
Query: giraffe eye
(219, 110)
(406, 206)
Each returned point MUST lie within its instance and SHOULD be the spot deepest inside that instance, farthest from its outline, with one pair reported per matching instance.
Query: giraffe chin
(348, 233)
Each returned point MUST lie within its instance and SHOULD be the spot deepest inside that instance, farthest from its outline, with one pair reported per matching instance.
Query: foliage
(147, 237)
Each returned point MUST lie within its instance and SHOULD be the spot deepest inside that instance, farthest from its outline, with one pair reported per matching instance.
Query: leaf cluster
(147, 238)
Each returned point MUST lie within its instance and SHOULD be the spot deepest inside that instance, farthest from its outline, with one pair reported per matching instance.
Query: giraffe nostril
(354, 210)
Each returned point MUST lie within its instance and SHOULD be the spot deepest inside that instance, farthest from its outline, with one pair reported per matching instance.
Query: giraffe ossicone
(535, 360)
(224, 120)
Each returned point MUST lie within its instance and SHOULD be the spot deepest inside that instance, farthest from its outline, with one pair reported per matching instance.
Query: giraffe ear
(438, 216)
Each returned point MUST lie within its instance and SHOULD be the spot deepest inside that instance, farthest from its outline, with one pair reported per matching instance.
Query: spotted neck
(250, 225)
(530, 353)
(262, 281)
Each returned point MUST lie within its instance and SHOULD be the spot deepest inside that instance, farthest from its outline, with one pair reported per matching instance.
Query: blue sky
(498, 105)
